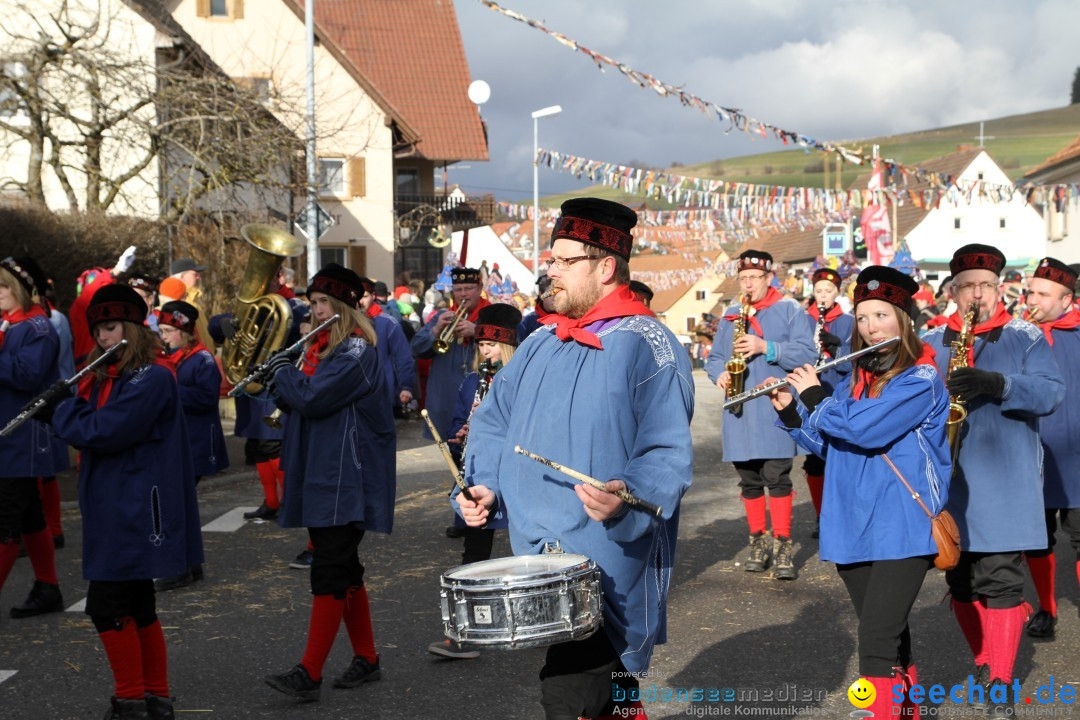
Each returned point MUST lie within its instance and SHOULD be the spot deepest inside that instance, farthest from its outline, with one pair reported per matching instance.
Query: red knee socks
(39, 546)
(50, 502)
(326, 614)
(816, 484)
(755, 514)
(155, 659)
(358, 623)
(1003, 630)
(268, 472)
(780, 513)
(124, 651)
(971, 617)
(1042, 570)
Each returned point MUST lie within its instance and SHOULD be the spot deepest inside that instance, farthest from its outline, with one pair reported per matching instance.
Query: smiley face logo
(861, 693)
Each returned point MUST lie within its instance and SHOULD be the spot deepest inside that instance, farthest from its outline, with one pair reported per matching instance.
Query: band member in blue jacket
(779, 334)
(894, 405)
(606, 390)
(395, 355)
(29, 351)
(1051, 293)
(832, 336)
(996, 494)
(136, 495)
(339, 456)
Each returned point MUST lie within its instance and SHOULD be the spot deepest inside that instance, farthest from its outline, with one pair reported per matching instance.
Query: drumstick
(628, 498)
(459, 476)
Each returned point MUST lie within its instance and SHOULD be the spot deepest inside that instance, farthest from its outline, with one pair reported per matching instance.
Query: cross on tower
(982, 136)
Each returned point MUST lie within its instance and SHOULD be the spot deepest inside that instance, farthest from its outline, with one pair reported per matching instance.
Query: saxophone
(486, 371)
(817, 333)
(736, 366)
(958, 358)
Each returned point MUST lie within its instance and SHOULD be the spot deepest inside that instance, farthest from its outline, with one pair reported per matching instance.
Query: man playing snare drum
(606, 390)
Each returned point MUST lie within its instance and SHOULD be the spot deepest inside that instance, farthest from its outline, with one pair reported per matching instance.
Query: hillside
(1020, 143)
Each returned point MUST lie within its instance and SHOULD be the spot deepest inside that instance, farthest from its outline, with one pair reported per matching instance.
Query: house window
(691, 323)
(1001, 223)
(407, 182)
(980, 176)
(956, 224)
(701, 294)
(219, 8)
(332, 177)
(339, 255)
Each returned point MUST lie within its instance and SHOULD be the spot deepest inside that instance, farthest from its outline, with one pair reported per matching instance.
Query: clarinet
(817, 334)
(486, 370)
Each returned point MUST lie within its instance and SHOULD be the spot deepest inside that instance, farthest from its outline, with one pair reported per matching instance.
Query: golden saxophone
(446, 338)
(959, 349)
(736, 366)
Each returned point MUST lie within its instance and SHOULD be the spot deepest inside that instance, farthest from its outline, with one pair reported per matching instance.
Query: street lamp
(545, 112)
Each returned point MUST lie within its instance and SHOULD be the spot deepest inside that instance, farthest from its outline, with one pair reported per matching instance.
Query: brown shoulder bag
(942, 527)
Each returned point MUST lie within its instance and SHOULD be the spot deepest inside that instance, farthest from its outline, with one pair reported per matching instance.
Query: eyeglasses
(565, 263)
(752, 278)
(987, 287)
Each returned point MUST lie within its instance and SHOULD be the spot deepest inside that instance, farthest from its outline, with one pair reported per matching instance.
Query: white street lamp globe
(479, 92)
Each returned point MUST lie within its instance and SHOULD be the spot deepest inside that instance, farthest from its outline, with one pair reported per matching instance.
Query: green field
(1020, 143)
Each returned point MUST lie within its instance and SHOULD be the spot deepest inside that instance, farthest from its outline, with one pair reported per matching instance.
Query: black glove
(57, 393)
(970, 383)
(830, 342)
(812, 396)
(229, 326)
(274, 365)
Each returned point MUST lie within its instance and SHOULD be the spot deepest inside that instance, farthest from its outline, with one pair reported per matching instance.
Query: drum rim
(584, 565)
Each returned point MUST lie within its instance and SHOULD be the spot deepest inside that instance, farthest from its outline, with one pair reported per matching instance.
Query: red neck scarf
(617, 304)
(864, 379)
(831, 314)
(14, 317)
(1068, 321)
(772, 296)
(374, 309)
(937, 321)
(311, 355)
(177, 357)
(1000, 318)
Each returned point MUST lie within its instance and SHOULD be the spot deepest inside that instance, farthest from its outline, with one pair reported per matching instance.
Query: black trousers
(883, 592)
(108, 602)
(579, 679)
(336, 565)
(999, 577)
(813, 465)
(21, 512)
(756, 475)
(478, 542)
(1070, 522)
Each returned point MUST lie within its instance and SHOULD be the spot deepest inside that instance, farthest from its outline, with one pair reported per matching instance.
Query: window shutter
(202, 8)
(358, 259)
(358, 176)
(238, 9)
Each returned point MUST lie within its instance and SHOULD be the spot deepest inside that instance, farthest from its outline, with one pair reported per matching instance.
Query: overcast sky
(828, 69)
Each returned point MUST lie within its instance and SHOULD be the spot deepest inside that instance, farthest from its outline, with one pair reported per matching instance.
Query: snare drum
(521, 602)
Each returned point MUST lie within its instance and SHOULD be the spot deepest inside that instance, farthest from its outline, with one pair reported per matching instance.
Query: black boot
(1042, 625)
(760, 554)
(296, 683)
(360, 671)
(122, 709)
(261, 513)
(159, 708)
(175, 582)
(43, 598)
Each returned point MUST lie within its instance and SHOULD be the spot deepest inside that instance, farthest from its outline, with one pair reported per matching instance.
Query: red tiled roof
(1069, 152)
(412, 53)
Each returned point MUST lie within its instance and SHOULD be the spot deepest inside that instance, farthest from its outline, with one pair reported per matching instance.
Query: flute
(766, 389)
(624, 495)
(34, 406)
(260, 369)
(459, 476)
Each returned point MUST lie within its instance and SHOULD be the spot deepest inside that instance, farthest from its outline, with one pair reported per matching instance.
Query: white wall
(484, 244)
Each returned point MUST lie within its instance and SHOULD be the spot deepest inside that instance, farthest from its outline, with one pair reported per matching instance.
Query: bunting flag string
(898, 174)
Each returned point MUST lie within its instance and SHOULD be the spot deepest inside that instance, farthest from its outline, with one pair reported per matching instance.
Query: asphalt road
(726, 628)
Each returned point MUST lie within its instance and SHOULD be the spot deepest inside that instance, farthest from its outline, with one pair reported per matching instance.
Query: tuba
(958, 358)
(262, 320)
(446, 338)
(736, 366)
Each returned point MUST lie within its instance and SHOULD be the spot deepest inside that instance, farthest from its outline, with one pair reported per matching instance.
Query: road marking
(230, 521)
(78, 607)
(7, 674)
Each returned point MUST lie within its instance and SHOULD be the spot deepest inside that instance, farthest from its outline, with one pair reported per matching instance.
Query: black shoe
(760, 553)
(982, 677)
(159, 708)
(58, 541)
(296, 683)
(784, 565)
(122, 709)
(1042, 626)
(175, 582)
(360, 671)
(303, 561)
(999, 709)
(817, 529)
(43, 598)
(197, 572)
(261, 513)
(453, 531)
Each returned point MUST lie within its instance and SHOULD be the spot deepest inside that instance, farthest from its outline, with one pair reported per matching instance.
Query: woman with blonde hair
(339, 461)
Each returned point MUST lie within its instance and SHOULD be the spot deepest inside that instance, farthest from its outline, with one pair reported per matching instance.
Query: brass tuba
(958, 358)
(736, 366)
(446, 338)
(262, 320)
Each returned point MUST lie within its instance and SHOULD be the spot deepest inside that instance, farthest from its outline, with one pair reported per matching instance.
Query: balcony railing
(455, 210)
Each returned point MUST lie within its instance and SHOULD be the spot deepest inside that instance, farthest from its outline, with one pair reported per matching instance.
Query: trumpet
(446, 338)
(260, 369)
(766, 389)
(34, 406)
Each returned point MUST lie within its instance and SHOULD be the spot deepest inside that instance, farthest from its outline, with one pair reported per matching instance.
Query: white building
(1060, 208)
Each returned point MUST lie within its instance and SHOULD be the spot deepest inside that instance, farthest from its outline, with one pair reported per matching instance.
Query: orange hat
(172, 288)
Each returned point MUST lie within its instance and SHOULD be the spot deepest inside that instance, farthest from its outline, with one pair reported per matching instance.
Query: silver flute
(766, 389)
(260, 369)
(34, 406)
